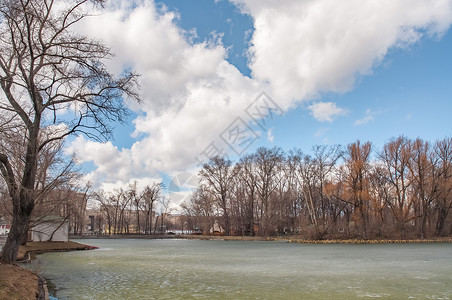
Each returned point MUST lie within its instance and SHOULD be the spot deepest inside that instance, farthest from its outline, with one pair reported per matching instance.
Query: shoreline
(287, 239)
(33, 248)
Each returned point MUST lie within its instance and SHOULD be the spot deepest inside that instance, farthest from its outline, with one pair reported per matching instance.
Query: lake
(216, 269)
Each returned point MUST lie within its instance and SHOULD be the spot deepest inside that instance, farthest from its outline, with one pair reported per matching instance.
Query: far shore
(287, 239)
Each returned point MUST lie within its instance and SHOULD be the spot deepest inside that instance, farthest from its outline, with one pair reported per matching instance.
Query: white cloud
(270, 136)
(326, 111)
(304, 48)
(190, 93)
(321, 132)
(366, 119)
(107, 158)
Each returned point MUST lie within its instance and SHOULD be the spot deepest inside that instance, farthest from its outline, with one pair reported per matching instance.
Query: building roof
(51, 219)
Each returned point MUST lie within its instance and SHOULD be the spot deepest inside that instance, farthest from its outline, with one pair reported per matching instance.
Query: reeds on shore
(375, 241)
(300, 240)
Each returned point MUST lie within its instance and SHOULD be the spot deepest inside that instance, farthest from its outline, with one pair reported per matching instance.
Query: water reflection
(192, 269)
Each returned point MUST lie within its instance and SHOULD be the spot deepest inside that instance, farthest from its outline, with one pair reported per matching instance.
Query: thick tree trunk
(17, 234)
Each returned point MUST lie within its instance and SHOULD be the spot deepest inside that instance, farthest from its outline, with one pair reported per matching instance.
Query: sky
(229, 76)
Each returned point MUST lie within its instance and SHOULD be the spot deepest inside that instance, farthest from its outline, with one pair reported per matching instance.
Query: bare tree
(269, 173)
(164, 210)
(396, 157)
(247, 178)
(200, 209)
(357, 165)
(425, 178)
(443, 203)
(218, 174)
(314, 174)
(105, 208)
(51, 78)
(136, 198)
(150, 194)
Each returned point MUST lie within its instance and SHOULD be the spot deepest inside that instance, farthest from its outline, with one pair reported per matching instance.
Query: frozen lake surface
(195, 269)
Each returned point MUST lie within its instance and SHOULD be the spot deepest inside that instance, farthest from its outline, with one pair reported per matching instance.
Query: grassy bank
(41, 247)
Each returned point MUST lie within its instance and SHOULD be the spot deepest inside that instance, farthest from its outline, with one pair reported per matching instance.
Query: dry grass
(17, 283)
(300, 240)
(40, 247)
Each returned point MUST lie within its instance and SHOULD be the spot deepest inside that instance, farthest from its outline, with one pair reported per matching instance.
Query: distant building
(216, 229)
(51, 228)
(4, 227)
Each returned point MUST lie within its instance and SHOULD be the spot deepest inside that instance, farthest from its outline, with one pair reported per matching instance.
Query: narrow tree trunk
(227, 224)
(138, 219)
(442, 215)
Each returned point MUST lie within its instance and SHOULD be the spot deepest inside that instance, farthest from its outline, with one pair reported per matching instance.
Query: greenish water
(194, 269)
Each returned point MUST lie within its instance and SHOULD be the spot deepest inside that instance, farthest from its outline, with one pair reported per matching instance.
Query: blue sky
(338, 72)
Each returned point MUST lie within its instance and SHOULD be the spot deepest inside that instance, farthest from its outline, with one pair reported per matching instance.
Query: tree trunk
(227, 224)
(442, 215)
(138, 219)
(18, 233)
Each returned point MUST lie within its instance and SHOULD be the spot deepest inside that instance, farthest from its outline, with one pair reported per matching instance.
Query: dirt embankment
(18, 283)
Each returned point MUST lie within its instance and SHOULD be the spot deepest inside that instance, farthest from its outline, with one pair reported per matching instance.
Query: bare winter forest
(402, 191)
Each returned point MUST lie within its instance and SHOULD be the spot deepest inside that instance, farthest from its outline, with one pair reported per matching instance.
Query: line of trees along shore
(131, 211)
(401, 191)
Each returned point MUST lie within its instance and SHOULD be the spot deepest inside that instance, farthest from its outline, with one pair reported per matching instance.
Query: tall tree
(396, 157)
(443, 150)
(218, 174)
(269, 173)
(51, 77)
(248, 178)
(136, 198)
(150, 194)
(200, 210)
(357, 165)
(424, 176)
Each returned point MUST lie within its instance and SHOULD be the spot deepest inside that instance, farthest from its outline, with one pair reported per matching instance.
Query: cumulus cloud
(326, 111)
(304, 48)
(191, 93)
(107, 158)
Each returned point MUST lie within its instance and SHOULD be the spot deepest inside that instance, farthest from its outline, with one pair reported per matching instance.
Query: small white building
(216, 229)
(51, 228)
(4, 227)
